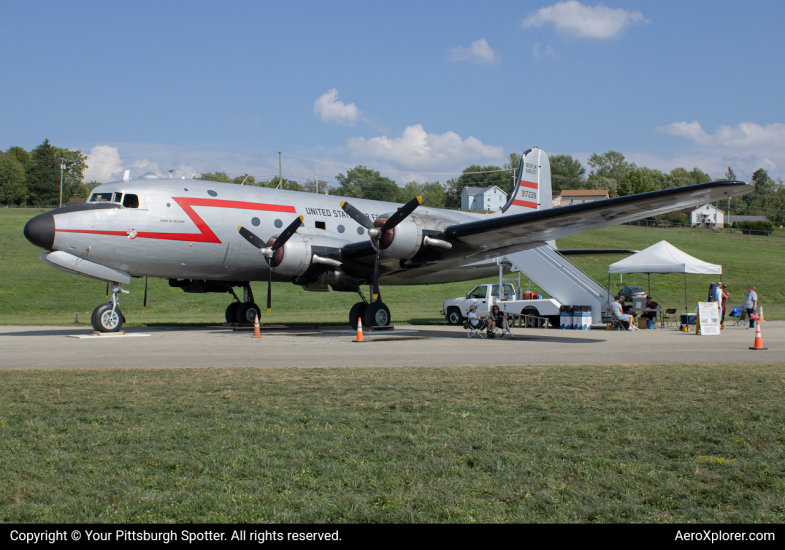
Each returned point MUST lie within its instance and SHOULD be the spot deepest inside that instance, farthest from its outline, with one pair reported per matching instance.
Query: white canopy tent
(663, 257)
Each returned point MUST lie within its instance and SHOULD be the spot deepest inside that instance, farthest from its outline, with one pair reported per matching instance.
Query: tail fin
(532, 189)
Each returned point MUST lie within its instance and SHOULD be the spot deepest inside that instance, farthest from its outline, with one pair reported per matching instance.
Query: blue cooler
(565, 317)
(688, 319)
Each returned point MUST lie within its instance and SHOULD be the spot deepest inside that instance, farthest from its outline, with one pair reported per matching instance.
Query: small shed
(483, 198)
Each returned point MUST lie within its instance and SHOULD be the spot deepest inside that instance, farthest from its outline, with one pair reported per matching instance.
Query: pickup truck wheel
(530, 310)
(454, 316)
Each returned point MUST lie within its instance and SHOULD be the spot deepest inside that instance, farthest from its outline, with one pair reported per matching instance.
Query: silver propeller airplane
(212, 237)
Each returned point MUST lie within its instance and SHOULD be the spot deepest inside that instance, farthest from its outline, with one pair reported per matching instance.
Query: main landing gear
(108, 317)
(375, 314)
(243, 312)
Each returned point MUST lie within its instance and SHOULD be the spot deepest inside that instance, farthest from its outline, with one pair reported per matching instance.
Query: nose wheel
(108, 317)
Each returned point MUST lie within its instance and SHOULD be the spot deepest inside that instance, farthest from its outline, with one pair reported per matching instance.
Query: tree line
(33, 177)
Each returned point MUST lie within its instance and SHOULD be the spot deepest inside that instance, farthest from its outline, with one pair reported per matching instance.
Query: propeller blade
(251, 238)
(287, 233)
(269, 287)
(356, 215)
(375, 293)
(144, 308)
(402, 213)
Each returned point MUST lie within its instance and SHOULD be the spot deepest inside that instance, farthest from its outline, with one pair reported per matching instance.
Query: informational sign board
(709, 316)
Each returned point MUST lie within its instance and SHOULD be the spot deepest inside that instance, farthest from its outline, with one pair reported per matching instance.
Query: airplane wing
(484, 237)
(499, 235)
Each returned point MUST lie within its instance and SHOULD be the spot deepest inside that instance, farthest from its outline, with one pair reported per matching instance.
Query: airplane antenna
(246, 177)
(126, 175)
(316, 183)
(171, 172)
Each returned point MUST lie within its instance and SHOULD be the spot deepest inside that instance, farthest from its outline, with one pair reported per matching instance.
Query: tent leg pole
(686, 310)
(649, 274)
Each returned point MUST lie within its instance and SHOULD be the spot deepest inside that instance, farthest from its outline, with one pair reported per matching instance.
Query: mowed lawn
(32, 293)
(525, 444)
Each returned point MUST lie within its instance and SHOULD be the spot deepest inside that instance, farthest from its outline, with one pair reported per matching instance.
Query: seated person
(650, 304)
(627, 321)
(624, 307)
(475, 321)
(498, 319)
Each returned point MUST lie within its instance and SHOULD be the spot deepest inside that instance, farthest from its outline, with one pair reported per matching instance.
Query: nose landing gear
(108, 317)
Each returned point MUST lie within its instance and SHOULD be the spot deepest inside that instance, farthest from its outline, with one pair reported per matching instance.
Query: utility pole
(316, 183)
(62, 167)
(280, 179)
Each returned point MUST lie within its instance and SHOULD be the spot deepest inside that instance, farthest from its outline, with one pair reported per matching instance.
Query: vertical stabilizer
(532, 189)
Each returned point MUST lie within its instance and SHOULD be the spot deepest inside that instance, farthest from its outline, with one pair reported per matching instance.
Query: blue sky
(417, 90)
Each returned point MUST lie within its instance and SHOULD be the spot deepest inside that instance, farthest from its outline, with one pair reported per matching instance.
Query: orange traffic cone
(758, 339)
(359, 330)
(76, 318)
(761, 314)
(256, 333)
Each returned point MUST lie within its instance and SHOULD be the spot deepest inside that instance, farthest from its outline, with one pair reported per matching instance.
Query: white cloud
(748, 146)
(416, 150)
(479, 52)
(329, 108)
(576, 19)
(548, 52)
(104, 162)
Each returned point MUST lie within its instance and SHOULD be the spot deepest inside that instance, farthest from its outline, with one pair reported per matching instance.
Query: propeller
(268, 250)
(376, 232)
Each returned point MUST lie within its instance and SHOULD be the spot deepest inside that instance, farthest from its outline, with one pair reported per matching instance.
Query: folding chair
(614, 323)
(668, 317)
(739, 314)
(478, 331)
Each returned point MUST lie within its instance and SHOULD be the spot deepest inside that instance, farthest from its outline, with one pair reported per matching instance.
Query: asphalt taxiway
(425, 346)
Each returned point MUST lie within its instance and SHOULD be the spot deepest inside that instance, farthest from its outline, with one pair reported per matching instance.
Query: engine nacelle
(405, 239)
(296, 256)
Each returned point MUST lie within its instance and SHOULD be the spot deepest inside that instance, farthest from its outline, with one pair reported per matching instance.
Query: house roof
(711, 206)
(584, 193)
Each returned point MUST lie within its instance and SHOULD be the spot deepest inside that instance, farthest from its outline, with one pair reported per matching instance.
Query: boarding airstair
(564, 281)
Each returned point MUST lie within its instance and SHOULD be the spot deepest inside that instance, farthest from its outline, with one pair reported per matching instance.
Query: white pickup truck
(457, 309)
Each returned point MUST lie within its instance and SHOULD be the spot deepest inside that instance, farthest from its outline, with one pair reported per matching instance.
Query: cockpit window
(101, 197)
(118, 197)
(131, 201)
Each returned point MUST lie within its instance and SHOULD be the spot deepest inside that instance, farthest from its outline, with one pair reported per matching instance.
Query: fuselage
(187, 229)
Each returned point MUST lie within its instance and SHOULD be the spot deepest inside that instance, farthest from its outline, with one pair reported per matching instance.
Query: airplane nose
(41, 231)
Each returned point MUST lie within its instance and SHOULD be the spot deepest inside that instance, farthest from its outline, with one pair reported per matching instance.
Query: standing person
(750, 304)
(725, 297)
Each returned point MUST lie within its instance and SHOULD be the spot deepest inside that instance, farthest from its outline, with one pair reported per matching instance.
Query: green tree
(364, 183)
(245, 179)
(608, 171)
(13, 186)
(286, 184)
(215, 176)
(43, 175)
(73, 175)
(635, 182)
(433, 194)
(566, 173)
(311, 186)
(730, 175)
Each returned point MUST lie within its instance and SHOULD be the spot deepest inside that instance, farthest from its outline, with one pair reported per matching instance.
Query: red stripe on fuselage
(205, 234)
(526, 204)
(529, 184)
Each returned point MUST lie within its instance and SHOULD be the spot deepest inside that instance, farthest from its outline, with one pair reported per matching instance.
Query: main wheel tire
(357, 312)
(246, 313)
(376, 315)
(454, 316)
(104, 320)
(231, 312)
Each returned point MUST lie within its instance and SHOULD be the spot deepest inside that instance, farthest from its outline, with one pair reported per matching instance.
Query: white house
(707, 216)
(483, 198)
(580, 196)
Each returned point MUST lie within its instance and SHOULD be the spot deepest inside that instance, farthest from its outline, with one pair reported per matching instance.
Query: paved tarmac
(429, 346)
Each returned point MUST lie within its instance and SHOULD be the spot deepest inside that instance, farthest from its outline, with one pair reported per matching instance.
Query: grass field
(32, 293)
(524, 444)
